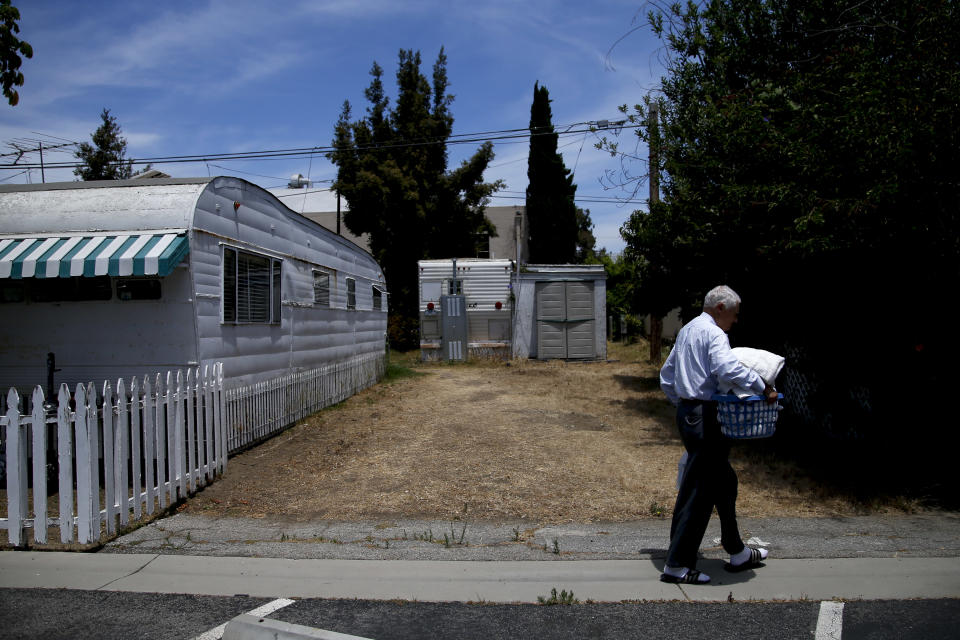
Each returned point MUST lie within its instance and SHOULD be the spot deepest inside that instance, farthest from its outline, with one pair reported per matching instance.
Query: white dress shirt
(700, 360)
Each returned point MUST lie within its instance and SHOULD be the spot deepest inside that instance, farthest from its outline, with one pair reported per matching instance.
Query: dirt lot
(548, 442)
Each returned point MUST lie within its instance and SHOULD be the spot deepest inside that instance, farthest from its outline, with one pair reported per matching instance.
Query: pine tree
(551, 210)
(107, 159)
(392, 170)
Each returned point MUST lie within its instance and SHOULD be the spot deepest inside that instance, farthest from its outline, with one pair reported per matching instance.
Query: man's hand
(770, 394)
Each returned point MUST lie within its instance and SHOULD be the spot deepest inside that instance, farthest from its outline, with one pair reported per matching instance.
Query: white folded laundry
(767, 364)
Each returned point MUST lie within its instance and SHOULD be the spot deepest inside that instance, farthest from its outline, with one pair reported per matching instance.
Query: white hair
(721, 295)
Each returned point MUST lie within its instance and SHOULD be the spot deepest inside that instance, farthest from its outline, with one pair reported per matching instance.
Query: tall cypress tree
(551, 211)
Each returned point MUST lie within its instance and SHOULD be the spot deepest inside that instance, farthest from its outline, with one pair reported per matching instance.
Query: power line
(301, 152)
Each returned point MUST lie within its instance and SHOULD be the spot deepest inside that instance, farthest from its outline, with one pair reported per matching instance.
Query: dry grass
(549, 442)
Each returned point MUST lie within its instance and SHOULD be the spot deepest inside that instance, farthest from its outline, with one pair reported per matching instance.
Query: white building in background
(318, 203)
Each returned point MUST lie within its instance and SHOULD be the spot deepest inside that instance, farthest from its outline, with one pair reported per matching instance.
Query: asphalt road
(70, 614)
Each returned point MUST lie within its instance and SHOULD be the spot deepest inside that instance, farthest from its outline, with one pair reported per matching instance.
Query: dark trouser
(709, 481)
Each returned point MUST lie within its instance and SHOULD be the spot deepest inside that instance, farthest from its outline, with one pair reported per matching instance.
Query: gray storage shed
(560, 312)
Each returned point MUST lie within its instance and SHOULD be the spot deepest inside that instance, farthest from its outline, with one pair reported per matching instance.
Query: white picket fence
(156, 444)
(260, 410)
(151, 443)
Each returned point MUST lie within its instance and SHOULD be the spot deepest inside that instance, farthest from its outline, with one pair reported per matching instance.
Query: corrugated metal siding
(307, 336)
(485, 282)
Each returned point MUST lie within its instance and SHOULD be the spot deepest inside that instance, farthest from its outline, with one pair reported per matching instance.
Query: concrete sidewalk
(479, 581)
(913, 536)
(875, 557)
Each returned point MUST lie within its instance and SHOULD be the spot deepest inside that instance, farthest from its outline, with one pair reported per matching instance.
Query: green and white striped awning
(109, 254)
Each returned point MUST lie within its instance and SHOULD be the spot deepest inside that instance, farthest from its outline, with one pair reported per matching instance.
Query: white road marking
(260, 612)
(830, 621)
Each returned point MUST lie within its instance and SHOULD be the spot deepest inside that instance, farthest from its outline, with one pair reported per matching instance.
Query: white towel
(767, 364)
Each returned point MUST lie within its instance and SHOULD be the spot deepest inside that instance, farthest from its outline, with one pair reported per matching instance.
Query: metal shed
(131, 277)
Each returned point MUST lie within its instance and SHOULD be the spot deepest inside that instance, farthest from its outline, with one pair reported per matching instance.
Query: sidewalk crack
(132, 573)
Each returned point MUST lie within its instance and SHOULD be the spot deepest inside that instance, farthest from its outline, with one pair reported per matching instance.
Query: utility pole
(656, 322)
(43, 177)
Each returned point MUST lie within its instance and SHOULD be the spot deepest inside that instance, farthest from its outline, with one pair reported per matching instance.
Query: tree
(551, 210)
(808, 149)
(11, 48)
(105, 159)
(392, 170)
(585, 248)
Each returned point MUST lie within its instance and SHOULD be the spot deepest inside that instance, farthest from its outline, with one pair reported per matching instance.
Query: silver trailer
(125, 278)
(465, 308)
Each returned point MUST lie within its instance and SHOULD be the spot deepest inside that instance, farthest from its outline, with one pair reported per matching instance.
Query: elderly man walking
(700, 360)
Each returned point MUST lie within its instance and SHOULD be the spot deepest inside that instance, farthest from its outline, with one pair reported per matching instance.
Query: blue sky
(222, 76)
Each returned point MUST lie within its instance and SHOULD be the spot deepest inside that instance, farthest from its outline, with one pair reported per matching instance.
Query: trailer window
(377, 298)
(454, 287)
(321, 289)
(12, 291)
(139, 289)
(251, 287)
(69, 289)
(430, 291)
(351, 293)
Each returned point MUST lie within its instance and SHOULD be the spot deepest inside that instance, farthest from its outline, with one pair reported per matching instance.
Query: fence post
(218, 413)
(191, 432)
(82, 438)
(16, 471)
(151, 468)
(93, 432)
(65, 459)
(136, 480)
(174, 438)
(208, 424)
(109, 461)
(160, 425)
(122, 443)
(39, 430)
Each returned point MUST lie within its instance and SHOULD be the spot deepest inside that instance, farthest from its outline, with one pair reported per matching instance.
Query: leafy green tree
(11, 48)
(392, 170)
(586, 242)
(621, 285)
(808, 150)
(105, 159)
(551, 211)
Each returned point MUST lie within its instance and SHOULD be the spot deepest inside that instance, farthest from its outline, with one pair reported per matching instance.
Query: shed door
(565, 320)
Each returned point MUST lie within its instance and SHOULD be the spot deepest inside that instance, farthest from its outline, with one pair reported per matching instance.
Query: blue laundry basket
(747, 418)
